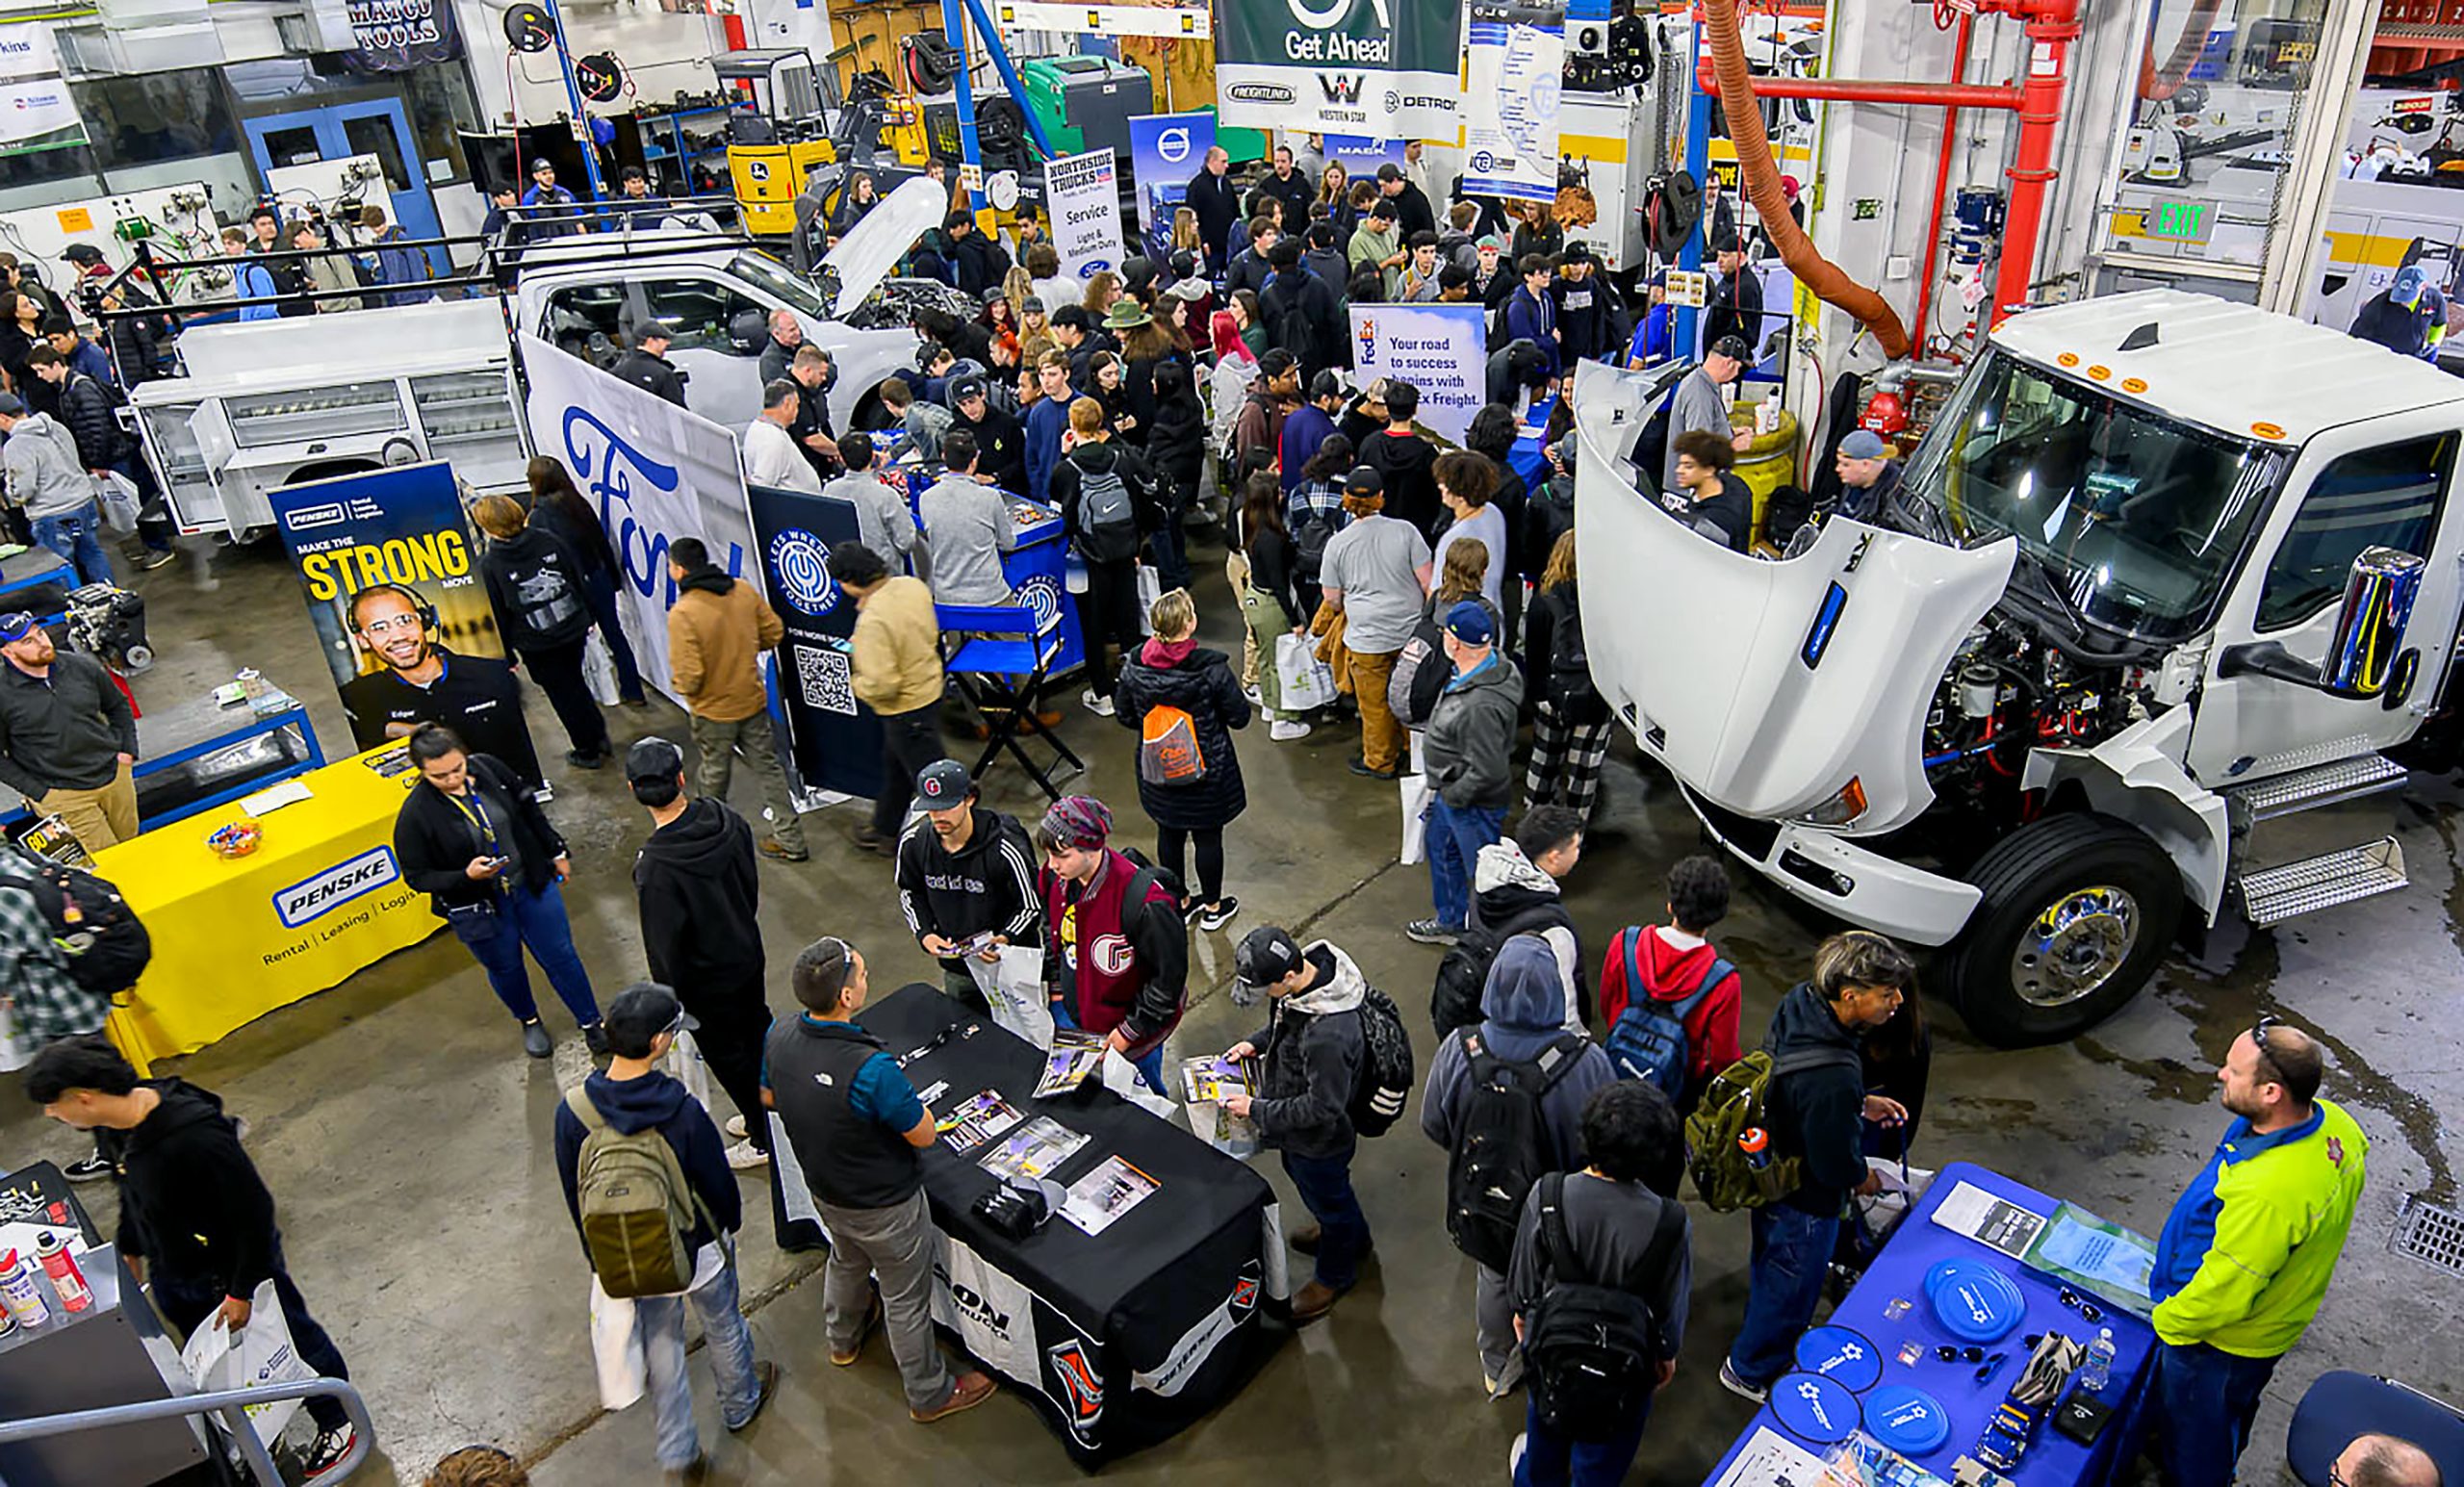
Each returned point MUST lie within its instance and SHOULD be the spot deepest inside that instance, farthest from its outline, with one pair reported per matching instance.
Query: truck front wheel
(2077, 911)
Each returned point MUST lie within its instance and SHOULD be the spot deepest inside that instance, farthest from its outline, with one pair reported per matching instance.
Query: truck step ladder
(2274, 894)
(2321, 785)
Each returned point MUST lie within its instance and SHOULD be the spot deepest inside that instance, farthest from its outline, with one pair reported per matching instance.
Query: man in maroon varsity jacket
(1117, 949)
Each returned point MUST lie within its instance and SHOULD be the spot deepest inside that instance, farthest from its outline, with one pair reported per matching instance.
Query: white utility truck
(273, 403)
(2163, 570)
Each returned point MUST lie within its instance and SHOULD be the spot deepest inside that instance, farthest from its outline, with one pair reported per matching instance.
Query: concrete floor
(408, 1141)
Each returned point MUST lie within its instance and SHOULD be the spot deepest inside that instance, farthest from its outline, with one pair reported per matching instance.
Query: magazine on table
(1113, 1189)
(1032, 1149)
(1075, 1055)
(976, 1120)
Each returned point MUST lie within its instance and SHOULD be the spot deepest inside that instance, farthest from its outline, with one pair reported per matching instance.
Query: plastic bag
(691, 1069)
(1900, 1189)
(1121, 1078)
(599, 669)
(1307, 681)
(1150, 588)
(1014, 986)
(117, 495)
(259, 1354)
(616, 1347)
(1415, 799)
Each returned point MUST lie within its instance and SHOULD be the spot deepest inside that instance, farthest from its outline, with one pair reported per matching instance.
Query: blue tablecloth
(2053, 1459)
(1525, 459)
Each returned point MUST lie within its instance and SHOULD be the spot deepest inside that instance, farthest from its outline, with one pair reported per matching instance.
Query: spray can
(21, 1291)
(75, 1295)
(1755, 1143)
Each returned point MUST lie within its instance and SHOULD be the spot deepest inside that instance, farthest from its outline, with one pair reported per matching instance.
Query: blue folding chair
(2344, 1404)
(986, 650)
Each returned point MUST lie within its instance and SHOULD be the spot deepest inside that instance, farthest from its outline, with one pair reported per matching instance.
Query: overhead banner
(396, 35)
(1518, 60)
(1440, 349)
(837, 744)
(37, 110)
(1165, 151)
(1361, 155)
(1082, 194)
(1387, 68)
(656, 472)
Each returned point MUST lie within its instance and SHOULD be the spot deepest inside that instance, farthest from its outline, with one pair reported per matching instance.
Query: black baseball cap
(1266, 956)
(965, 388)
(639, 1015)
(653, 758)
(1364, 482)
(943, 784)
(1732, 347)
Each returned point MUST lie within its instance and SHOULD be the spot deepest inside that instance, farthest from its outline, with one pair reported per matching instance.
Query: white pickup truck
(269, 403)
(2164, 568)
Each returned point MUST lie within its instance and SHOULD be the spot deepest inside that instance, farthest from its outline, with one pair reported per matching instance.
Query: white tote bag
(689, 1068)
(1014, 986)
(1307, 681)
(616, 1349)
(259, 1354)
(1120, 1077)
(1415, 799)
(1150, 588)
(117, 495)
(599, 669)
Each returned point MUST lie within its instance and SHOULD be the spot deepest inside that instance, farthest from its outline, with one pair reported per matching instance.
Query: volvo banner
(1518, 58)
(1385, 68)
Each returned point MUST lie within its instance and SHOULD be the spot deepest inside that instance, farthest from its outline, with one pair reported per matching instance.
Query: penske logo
(301, 902)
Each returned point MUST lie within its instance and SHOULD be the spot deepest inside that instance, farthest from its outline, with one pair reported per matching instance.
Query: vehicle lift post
(954, 24)
(573, 100)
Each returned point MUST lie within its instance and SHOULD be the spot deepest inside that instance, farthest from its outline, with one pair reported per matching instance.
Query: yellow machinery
(776, 133)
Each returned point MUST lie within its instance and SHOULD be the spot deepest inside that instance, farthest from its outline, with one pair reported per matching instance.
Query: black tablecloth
(1122, 1339)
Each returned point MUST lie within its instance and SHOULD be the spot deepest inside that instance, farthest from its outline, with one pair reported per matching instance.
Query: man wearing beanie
(966, 874)
(1117, 951)
(700, 888)
(1471, 738)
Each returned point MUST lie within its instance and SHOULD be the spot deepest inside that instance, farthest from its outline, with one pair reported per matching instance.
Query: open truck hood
(869, 250)
(1766, 687)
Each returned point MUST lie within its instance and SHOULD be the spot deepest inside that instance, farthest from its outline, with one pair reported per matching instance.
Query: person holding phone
(472, 837)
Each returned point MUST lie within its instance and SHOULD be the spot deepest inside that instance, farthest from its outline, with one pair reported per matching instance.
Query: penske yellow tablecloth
(235, 939)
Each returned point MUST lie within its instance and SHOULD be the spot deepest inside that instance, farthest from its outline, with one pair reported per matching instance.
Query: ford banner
(1385, 68)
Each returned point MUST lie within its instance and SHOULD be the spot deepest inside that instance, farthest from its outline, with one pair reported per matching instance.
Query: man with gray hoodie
(1522, 1028)
(48, 480)
(1468, 754)
(1314, 1049)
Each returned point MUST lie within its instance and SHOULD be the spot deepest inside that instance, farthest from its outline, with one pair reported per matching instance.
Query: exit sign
(2182, 221)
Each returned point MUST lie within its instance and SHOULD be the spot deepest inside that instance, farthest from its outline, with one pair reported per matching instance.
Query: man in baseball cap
(1702, 405)
(1310, 1059)
(967, 880)
(699, 889)
(1467, 750)
(1867, 474)
(2408, 317)
(1000, 439)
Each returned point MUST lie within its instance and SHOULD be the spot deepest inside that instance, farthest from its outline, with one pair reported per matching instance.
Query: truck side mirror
(2370, 628)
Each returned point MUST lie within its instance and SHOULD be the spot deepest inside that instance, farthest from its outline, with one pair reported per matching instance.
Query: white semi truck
(2162, 571)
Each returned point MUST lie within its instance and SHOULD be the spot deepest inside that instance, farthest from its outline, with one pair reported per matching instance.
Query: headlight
(1841, 810)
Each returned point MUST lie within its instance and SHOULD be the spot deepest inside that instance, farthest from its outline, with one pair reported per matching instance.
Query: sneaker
(777, 851)
(1313, 1302)
(765, 1383)
(1739, 1387)
(1100, 706)
(736, 1126)
(535, 1041)
(1429, 932)
(1257, 699)
(595, 1038)
(327, 1451)
(1514, 1457)
(967, 1391)
(1285, 731)
(1361, 768)
(746, 1157)
(692, 1474)
(635, 701)
(863, 1330)
(88, 1168)
(1214, 917)
(153, 560)
(579, 760)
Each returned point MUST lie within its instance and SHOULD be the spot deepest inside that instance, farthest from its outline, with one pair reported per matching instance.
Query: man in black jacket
(646, 367)
(964, 875)
(1216, 204)
(1105, 535)
(701, 895)
(1314, 1054)
(1000, 443)
(1290, 185)
(1412, 211)
(1818, 1108)
(1302, 315)
(81, 403)
(195, 1221)
(1709, 498)
(1406, 462)
(978, 260)
(1249, 267)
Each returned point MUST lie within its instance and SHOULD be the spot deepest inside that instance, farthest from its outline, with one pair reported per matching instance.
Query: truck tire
(2078, 911)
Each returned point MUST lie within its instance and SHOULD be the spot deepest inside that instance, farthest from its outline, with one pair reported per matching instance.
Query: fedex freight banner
(1440, 349)
(1386, 68)
(1517, 59)
(655, 472)
(1083, 194)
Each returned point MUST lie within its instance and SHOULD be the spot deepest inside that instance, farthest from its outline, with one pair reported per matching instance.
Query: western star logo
(1082, 1393)
(301, 902)
(1340, 87)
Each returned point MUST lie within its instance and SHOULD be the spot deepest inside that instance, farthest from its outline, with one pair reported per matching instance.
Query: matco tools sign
(1385, 68)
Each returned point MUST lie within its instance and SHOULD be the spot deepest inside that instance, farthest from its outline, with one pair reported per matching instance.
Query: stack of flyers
(1209, 1079)
(980, 1118)
(1113, 1189)
(1032, 1150)
(1075, 1055)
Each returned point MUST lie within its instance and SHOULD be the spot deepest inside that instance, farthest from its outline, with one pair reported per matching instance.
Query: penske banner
(1440, 349)
(1385, 68)
(1517, 59)
(1083, 194)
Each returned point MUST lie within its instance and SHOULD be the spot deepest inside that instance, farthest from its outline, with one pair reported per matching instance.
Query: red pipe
(2052, 25)
(1950, 95)
(1942, 192)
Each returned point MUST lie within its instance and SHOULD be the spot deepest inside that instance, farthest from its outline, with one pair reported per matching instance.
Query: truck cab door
(2386, 483)
(701, 309)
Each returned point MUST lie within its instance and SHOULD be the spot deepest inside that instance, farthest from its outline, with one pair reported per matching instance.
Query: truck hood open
(1765, 686)
(870, 250)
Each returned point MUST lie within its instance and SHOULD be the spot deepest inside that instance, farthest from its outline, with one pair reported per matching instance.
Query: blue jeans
(660, 1322)
(186, 1301)
(77, 537)
(1553, 1460)
(537, 920)
(1455, 838)
(1325, 1187)
(2205, 1400)
(1791, 1255)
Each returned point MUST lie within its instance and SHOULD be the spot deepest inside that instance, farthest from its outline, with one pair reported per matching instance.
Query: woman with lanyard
(472, 837)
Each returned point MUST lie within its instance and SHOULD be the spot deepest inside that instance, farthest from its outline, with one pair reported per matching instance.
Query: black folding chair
(988, 648)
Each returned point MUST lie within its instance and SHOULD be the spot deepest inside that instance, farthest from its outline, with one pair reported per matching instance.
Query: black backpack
(1502, 1146)
(1386, 1073)
(1309, 547)
(97, 937)
(1592, 1352)
(1463, 971)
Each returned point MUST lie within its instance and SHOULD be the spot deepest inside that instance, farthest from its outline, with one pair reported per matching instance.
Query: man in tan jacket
(715, 637)
(897, 656)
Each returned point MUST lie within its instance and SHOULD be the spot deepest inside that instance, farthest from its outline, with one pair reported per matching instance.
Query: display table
(234, 939)
(1038, 570)
(2052, 1459)
(1121, 1339)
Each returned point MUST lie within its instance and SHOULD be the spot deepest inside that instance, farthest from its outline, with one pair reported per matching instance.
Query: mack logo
(301, 902)
(305, 517)
(1340, 87)
(1262, 92)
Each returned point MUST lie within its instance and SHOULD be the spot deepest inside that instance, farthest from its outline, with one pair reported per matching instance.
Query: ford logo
(1262, 92)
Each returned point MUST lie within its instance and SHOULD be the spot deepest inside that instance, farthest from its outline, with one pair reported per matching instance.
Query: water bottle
(2098, 1370)
(1756, 1143)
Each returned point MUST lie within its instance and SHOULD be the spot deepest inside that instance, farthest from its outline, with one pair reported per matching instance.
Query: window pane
(697, 311)
(2383, 498)
(373, 135)
(293, 146)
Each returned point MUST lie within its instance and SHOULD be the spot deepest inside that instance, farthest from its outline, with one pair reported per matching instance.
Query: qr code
(827, 683)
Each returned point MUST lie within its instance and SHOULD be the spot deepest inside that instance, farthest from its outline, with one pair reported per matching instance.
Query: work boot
(967, 1391)
(1313, 1302)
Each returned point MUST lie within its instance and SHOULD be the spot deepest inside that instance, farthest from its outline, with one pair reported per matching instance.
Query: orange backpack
(1168, 751)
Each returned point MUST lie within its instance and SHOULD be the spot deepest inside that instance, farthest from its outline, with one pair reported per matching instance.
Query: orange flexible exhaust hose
(1761, 178)
(2157, 85)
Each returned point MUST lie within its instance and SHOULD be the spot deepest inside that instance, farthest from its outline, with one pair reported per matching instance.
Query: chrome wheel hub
(2074, 946)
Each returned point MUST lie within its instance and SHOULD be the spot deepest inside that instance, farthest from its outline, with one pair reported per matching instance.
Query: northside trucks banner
(1517, 59)
(1083, 194)
(1384, 69)
(1440, 349)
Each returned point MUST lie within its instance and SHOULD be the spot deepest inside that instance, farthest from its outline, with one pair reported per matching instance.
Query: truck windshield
(2135, 516)
(778, 279)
